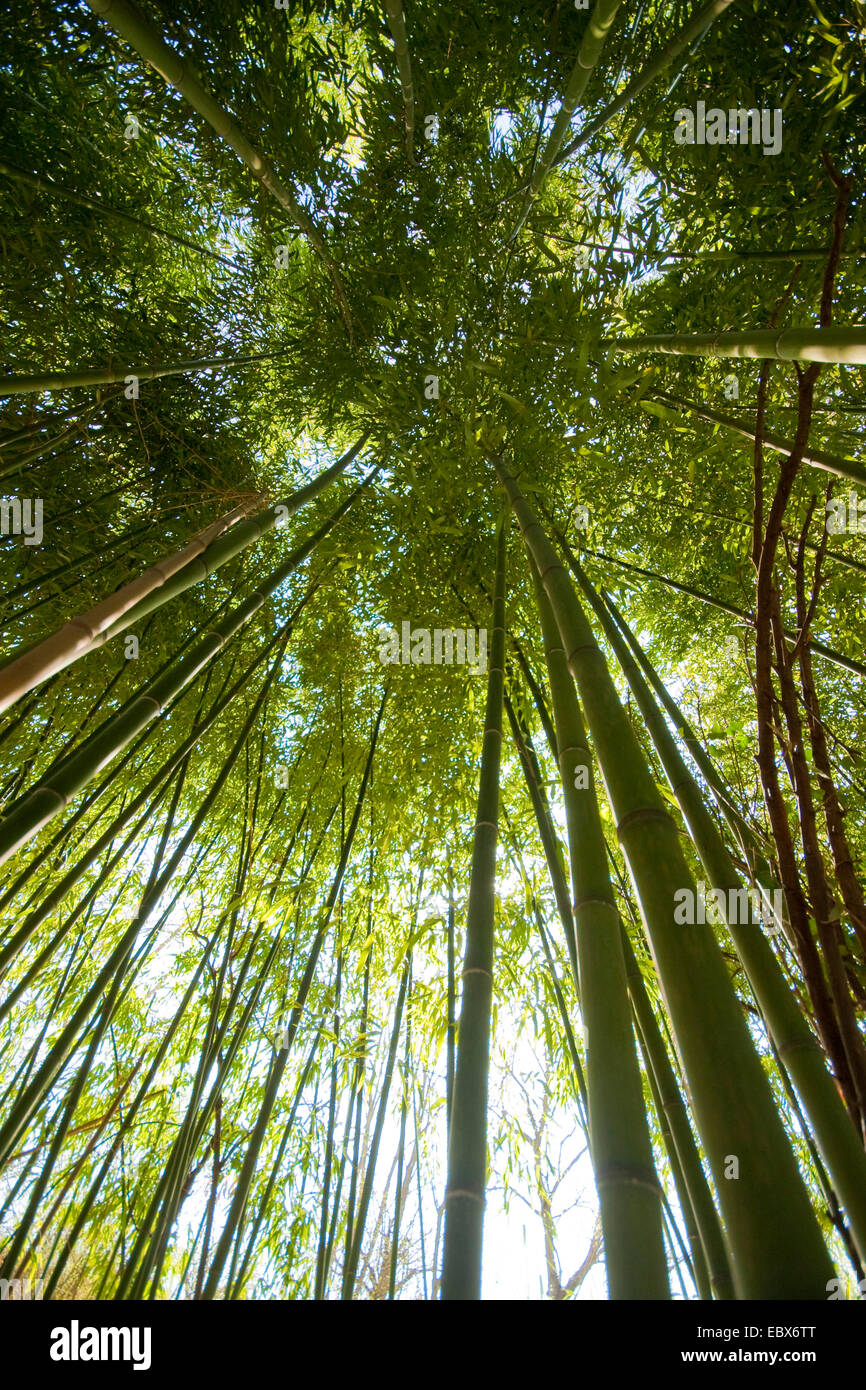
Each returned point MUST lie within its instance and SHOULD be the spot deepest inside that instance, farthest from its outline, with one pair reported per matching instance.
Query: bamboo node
(475, 970)
(461, 1192)
(584, 647)
(638, 1176)
(594, 898)
(542, 574)
(644, 813)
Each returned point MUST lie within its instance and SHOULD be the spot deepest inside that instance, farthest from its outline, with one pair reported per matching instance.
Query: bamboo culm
(776, 1246)
(467, 1139)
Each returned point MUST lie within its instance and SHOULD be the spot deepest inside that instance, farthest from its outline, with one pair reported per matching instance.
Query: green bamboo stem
(803, 253)
(125, 1125)
(467, 1139)
(711, 1255)
(350, 1273)
(45, 422)
(818, 458)
(406, 1081)
(622, 1158)
(356, 1098)
(846, 662)
(50, 445)
(776, 1246)
(450, 1007)
(155, 788)
(32, 1096)
(750, 843)
(22, 671)
(160, 583)
(216, 1050)
(278, 1063)
(322, 1260)
(236, 1280)
(570, 1040)
(802, 344)
(57, 190)
(397, 26)
(807, 253)
(547, 834)
(102, 376)
(672, 49)
(102, 879)
(28, 1220)
(694, 1253)
(33, 811)
(592, 43)
(127, 21)
(791, 1034)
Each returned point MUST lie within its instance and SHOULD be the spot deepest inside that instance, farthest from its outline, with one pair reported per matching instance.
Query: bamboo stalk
(622, 1159)
(278, 1063)
(126, 1124)
(846, 662)
(28, 1101)
(127, 21)
(397, 26)
(236, 1281)
(351, 1271)
(467, 1139)
(776, 1246)
(818, 458)
(711, 1266)
(101, 376)
(791, 1034)
(20, 673)
(50, 445)
(592, 43)
(406, 1081)
(323, 1252)
(46, 800)
(214, 1051)
(789, 345)
(672, 49)
(201, 557)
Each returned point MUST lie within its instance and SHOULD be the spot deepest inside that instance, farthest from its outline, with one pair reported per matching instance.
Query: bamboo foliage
(127, 21)
(230, 1005)
(818, 458)
(42, 184)
(48, 799)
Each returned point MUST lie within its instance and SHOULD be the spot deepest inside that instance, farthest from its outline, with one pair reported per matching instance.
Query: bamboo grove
(431, 696)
